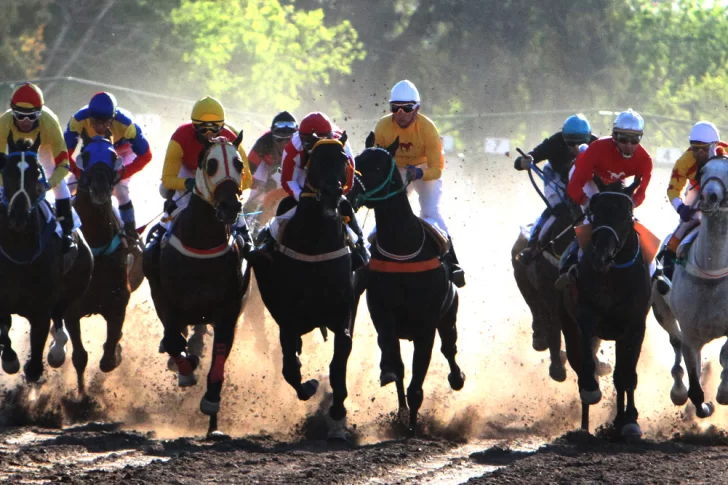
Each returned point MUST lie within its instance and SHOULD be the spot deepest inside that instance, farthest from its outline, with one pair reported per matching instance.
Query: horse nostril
(713, 198)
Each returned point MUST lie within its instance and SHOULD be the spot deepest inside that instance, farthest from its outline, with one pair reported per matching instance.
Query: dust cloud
(507, 393)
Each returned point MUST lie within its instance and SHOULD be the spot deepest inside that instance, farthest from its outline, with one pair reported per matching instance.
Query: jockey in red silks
(314, 127)
(102, 117)
(612, 158)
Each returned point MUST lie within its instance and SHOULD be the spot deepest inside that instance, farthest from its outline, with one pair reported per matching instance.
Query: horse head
(24, 183)
(327, 172)
(219, 178)
(714, 184)
(377, 176)
(610, 214)
(101, 169)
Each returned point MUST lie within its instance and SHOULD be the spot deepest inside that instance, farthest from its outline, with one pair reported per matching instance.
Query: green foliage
(261, 54)
(21, 38)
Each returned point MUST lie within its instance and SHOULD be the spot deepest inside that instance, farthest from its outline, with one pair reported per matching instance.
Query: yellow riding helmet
(208, 109)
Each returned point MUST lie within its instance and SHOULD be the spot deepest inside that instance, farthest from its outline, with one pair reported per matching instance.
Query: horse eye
(238, 164)
(211, 168)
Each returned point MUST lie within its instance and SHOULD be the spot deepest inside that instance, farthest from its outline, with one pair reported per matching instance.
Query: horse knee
(414, 398)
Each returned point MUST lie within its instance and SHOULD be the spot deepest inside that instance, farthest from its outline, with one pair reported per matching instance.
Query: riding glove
(686, 212)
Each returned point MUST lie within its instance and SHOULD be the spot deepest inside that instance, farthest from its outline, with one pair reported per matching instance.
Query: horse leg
(588, 385)
(39, 327)
(691, 352)
(420, 364)
(628, 349)
(557, 370)
(448, 337)
(387, 341)
(10, 362)
(403, 410)
(665, 317)
(175, 344)
(292, 366)
(337, 376)
(80, 356)
(112, 348)
(722, 396)
(602, 368)
(224, 335)
(57, 350)
(196, 342)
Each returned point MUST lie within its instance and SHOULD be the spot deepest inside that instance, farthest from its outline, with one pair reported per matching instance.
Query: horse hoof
(603, 369)
(457, 381)
(679, 395)
(186, 364)
(109, 363)
(539, 342)
(57, 351)
(208, 407)
(171, 364)
(31, 373)
(387, 378)
(557, 372)
(411, 433)
(631, 432)
(186, 381)
(11, 366)
(590, 397)
(337, 429)
(308, 389)
(705, 410)
(218, 436)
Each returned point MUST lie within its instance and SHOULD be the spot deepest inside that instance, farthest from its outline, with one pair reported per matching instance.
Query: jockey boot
(457, 275)
(527, 255)
(65, 217)
(568, 267)
(663, 279)
(127, 217)
(242, 235)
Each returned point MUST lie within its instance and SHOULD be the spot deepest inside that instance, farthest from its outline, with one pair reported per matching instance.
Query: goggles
(284, 125)
(208, 127)
(21, 115)
(698, 147)
(573, 142)
(406, 107)
(628, 139)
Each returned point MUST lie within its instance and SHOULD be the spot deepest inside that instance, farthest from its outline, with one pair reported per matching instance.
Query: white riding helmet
(403, 92)
(704, 132)
(629, 122)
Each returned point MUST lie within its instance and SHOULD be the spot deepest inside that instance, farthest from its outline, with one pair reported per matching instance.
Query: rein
(23, 166)
(368, 195)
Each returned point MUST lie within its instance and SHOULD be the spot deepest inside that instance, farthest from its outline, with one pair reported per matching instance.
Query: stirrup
(663, 285)
(457, 276)
(566, 279)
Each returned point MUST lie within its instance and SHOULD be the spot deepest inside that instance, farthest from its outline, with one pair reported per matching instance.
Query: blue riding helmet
(576, 128)
(102, 106)
(99, 150)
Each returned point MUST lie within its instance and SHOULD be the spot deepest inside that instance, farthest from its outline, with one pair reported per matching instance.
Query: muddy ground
(510, 424)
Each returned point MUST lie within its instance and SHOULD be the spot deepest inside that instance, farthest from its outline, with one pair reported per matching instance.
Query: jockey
(29, 118)
(314, 126)
(419, 158)
(703, 139)
(611, 159)
(102, 117)
(185, 147)
(267, 154)
(560, 149)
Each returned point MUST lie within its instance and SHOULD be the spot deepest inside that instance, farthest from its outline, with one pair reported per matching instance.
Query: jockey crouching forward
(560, 149)
(611, 159)
(187, 145)
(28, 118)
(314, 126)
(704, 138)
(103, 118)
(419, 158)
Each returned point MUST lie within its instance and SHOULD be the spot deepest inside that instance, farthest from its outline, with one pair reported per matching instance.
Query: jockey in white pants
(419, 157)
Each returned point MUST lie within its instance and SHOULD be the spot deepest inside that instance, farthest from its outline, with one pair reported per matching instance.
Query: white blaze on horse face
(23, 167)
(224, 154)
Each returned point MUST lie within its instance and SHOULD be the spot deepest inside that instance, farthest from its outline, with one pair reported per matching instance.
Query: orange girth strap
(381, 266)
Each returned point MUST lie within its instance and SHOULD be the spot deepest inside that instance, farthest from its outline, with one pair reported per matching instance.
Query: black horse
(196, 272)
(610, 301)
(108, 294)
(409, 293)
(36, 281)
(306, 282)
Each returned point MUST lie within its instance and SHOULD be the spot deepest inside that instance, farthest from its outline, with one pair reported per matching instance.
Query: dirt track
(143, 427)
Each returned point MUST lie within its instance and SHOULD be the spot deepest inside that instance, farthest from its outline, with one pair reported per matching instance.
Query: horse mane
(616, 186)
(24, 145)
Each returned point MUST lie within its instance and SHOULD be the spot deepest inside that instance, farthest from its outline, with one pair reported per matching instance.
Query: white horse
(699, 295)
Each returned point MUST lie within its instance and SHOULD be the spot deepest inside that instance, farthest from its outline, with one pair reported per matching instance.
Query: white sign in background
(501, 146)
(667, 155)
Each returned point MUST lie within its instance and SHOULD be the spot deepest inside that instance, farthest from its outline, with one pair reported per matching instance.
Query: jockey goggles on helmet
(574, 141)
(698, 147)
(628, 138)
(204, 127)
(284, 130)
(20, 115)
(406, 107)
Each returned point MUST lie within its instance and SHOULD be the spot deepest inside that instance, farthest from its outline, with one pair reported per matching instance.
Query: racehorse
(611, 302)
(306, 282)
(196, 272)
(36, 281)
(409, 293)
(108, 294)
(699, 293)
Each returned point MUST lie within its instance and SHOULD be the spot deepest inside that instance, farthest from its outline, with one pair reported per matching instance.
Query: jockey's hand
(189, 184)
(686, 212)
(414, 173)
(523, 163)
(170, 206)
(576, 212)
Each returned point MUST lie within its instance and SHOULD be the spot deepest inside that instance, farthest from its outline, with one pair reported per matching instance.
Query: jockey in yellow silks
(29, 118)
(420, 158)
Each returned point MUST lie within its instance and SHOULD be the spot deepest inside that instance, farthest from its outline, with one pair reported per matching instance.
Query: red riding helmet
(316, 123)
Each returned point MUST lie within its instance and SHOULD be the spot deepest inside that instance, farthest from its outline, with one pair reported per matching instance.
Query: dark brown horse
(36, 281)
(196, 272)
(409, 293)
(108, 294)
